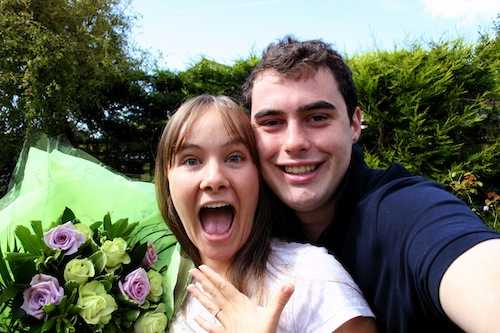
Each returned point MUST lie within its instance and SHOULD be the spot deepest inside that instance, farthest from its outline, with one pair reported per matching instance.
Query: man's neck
(315, 222)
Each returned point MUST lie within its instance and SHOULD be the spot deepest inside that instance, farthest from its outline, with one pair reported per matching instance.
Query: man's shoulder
(408, 194)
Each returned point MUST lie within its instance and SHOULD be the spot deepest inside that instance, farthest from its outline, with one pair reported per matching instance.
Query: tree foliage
(58, 61)
(65, 69)
(434, 109)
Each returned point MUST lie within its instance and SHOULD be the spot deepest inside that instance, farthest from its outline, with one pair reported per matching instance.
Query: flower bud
(79, 270)
(96, 305)
(155, 282)
(115, 252)
(151, 322)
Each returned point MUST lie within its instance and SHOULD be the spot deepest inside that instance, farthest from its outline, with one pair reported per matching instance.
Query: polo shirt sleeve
(432, 229)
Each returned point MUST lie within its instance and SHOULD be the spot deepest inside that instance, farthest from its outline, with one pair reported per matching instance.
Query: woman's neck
(220, 267)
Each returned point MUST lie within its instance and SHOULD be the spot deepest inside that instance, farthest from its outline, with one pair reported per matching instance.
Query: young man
(424, 261)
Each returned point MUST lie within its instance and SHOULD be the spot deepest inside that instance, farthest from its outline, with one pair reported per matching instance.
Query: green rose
(84, 229)
(96, 305)
(155, 284)
(115, 252)
(79, 270)
(151, 322)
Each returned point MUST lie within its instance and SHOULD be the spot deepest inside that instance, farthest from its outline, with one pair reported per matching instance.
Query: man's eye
(318, 117)
(271, 122)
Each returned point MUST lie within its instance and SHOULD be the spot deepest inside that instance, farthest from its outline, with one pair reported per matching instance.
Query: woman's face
(214, 186)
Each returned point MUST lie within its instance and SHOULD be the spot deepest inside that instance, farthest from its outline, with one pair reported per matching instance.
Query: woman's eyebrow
(233, 142)
(186, 146)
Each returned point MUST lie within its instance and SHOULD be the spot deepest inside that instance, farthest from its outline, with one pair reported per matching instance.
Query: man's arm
(470, 289)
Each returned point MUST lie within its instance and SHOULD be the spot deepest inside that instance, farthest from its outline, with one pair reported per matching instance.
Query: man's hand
(234, 310)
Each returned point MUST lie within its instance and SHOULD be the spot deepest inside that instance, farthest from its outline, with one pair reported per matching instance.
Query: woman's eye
(235, 158)
(190, 161)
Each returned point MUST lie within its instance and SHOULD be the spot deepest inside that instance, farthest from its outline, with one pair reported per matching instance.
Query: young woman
(210, 193)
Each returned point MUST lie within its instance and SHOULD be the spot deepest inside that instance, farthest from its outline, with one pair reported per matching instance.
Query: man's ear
(356, 124)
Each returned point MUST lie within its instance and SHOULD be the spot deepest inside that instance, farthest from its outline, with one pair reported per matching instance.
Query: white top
(325, 295)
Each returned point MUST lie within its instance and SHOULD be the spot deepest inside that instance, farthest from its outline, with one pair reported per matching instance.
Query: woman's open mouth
(216, 218)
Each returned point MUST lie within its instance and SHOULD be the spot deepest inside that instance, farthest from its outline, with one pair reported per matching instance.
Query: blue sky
(180, 32)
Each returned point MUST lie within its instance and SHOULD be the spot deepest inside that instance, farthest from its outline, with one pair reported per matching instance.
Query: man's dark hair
(294, 59)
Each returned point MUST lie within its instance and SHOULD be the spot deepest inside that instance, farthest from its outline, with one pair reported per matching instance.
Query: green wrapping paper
(50, 176)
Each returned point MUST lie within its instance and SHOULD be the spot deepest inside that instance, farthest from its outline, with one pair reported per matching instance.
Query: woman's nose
(214, 178)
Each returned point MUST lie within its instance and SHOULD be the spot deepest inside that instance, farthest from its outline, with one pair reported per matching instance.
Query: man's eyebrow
(316, 105)
(304, 108)
(267, 112)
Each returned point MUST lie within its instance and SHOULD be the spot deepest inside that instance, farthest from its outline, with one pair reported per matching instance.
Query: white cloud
(465, 10)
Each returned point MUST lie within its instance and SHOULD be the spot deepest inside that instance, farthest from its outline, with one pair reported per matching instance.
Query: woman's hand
(234, 310)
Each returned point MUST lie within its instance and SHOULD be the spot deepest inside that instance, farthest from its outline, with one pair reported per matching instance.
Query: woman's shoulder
(307, 261)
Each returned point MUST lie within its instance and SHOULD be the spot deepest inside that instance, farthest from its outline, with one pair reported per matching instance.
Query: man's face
(304, 137)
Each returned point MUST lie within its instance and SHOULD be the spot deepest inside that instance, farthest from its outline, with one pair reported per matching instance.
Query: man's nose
(296, 140)
(214, 178)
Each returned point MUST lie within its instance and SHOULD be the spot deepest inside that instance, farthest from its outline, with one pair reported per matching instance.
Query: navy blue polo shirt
(397, 234)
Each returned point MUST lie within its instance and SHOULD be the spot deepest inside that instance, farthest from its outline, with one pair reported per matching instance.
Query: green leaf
(5, 275)
(29, 242)
(47, 325)
(99, 261)
(137, 254)
(67, 216)
(130, 229)
(49, 308)
(23, 267)
(69, 327)
(118, 228)
(107, 284)
(37, 228)
(8, 293)
(94, 226)
(107, 224)
(73, 309)
(132, 315)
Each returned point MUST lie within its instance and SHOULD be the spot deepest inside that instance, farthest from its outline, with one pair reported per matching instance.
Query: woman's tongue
(216, 221)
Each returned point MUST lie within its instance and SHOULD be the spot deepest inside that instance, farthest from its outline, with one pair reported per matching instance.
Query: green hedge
(433, 107)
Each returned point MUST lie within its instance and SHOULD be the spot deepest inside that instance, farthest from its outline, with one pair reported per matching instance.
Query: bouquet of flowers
(76, 277)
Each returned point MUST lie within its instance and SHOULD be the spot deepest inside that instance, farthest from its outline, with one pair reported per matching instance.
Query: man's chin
(301, 202)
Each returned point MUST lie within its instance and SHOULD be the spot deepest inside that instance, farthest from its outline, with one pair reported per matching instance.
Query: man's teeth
(299, 169)
(216, 205)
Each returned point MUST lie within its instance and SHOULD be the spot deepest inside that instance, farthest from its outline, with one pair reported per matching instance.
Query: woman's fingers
(207, 326)
(204, 299)
(222, 285)
(278, 302)
(207, 285)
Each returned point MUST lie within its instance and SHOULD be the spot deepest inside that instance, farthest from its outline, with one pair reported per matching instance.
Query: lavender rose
(44, 290)
(136, 286)
(64, 237)
(150, 257)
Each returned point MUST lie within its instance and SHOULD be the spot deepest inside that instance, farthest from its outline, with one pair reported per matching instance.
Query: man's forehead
(297, 74)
